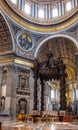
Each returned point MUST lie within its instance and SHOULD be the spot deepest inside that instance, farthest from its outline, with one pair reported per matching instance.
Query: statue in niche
(23, 80)
(22, 106)
(2, 102)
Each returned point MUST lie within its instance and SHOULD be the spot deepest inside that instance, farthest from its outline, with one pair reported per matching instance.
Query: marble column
(39, 94)
(22, 5)
(76, 2)
(31, 87)
(77, 68)
(0, 81)
(12, 84)
(36, 9)
(49, 11)
(46, 15)
(42, 94)
(73, 4)
(35, 88)
(49, 96)
(19, 4)
(33, 9)
(62, 7)
(74, 89)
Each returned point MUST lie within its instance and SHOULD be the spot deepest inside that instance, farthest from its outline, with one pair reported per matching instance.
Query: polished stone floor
(19, 125)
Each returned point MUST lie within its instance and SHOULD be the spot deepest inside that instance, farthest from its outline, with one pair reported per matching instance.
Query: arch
(55, 36)
(8, 29)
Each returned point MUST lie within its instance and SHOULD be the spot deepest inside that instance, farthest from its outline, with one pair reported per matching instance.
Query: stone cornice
(15, 59)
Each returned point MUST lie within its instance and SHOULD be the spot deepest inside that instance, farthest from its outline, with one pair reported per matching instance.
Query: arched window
(41, 13)
(14, 1)
(55, 12)
(68, 6)
(27, 8)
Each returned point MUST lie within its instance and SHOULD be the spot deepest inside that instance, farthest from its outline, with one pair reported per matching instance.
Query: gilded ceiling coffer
(48, 70)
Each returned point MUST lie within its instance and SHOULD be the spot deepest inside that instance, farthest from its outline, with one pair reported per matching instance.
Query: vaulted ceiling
(5, 37)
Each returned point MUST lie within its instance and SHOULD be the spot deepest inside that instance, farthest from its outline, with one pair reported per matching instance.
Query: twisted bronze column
(42, 94)
(35, 70)
(62, 76)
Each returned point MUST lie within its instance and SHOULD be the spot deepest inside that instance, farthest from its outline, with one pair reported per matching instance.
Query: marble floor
(19, 125)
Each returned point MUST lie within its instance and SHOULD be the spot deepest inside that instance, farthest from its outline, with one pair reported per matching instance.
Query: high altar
(48, 70)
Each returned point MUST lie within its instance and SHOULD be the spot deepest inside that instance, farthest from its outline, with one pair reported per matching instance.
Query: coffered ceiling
(33, 23)
(5, 37)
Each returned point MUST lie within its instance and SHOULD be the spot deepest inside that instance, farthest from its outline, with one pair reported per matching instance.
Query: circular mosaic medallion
(25, 41)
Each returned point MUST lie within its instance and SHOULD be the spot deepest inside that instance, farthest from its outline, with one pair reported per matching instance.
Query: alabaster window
(27, 8)
(55, 12)
(14, 1)
(41, 13)
(68, 6)
(52, 94)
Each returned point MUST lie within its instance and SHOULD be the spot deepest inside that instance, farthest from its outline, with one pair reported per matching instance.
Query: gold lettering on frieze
(67, 24)
(25, 63)
(6, 60)
(57, 28)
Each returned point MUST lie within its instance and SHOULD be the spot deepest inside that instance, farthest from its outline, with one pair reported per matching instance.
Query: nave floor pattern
(18, 125)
